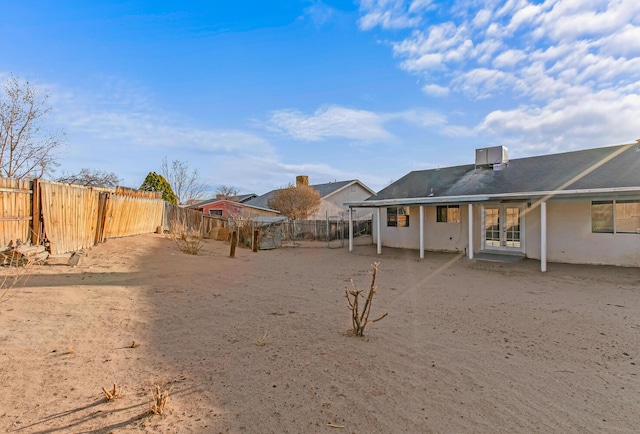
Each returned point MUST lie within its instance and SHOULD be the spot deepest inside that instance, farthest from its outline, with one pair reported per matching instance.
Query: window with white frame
(398, 216)
(448, 213)
(615, 216)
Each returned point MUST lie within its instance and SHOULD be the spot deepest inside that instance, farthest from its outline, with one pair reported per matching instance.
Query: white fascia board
(355, 181)
(258, 207)
(543, 195)
(416, 201)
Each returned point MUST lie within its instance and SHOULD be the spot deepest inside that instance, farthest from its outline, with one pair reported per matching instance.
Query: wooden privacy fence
(183, 219)
(16, 217)
(211, 226)
(76, 217)
(126, 215)
(70, 217)
(188, 220)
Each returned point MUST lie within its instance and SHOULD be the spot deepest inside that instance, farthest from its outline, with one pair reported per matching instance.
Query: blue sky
(253, 93)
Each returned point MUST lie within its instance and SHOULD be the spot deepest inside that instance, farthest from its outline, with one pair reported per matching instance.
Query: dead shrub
(360, 319)
(115, 393)
(263, 340)
(187, 239)
(160, 400)
(19, 268)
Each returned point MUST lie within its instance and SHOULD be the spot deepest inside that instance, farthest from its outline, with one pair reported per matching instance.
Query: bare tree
(27, 148)
(226, 192)
(91, 178)
(295, 202)
(185, 183)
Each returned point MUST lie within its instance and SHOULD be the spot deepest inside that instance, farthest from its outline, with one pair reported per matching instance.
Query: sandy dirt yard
(257, 344)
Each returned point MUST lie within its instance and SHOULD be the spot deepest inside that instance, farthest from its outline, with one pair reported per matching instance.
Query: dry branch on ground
(115, 393)
(360, 319)
(160, 400)
(20, 266)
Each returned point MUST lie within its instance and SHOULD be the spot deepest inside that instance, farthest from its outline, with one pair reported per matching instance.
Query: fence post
(103, 199)
(36, 223)
(234, 241)
(255, 239)
(326, 216)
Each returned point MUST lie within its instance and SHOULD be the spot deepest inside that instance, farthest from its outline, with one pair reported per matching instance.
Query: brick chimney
(302, 180)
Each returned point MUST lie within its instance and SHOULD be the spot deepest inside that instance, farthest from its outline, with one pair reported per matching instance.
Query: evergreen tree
(155, 182)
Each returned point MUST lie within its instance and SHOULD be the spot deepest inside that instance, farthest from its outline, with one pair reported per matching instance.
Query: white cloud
(508, 59)
(482, 18)
(439, 38)
(596, 118)
(573, 66)
(331, 122)
(390, 14)
(126, 116)
(234, 171)
(419, 5)
(483, 82)
(319, 13)
(420, 117)
(426, 62)
(117, 127)
(435, 90)
(525, 15)
(459, 131)
(569, 20)
(625, 42)
(337, 122)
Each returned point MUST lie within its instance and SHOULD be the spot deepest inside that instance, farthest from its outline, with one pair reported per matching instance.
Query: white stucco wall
(448, 237)
(569, 236)
(333, 205)
(570, 240)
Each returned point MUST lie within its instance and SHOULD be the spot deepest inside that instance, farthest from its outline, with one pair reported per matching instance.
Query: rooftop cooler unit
(495, 157)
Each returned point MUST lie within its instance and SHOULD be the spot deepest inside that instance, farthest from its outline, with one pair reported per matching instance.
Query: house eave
(354, 182)
(537, 195)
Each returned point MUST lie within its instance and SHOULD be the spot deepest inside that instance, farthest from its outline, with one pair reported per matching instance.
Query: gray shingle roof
(243, 198)
(324, 190)
(532, 174)
(261, 201)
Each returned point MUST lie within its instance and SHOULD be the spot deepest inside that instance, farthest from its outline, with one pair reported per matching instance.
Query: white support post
(543, 236)
(421, 231)
(470, 253)
(378, 231)
(351, 229)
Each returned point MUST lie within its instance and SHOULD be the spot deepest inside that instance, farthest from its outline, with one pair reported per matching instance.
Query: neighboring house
(245, 197)
(333, 195)
(231, 209)
(575, 207)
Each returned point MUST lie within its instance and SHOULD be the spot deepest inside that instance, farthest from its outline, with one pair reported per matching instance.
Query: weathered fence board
(69, 214)
(15, 216)
(210, 224)
(125, 191)
(72, 217)
(128, 215)
(184, 219)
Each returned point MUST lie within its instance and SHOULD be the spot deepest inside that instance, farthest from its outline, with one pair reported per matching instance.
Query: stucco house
(231, 209)
(333, 196)
(574, 207)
